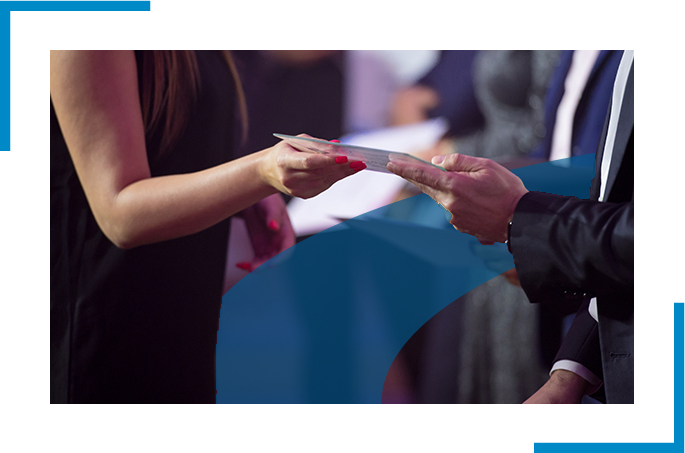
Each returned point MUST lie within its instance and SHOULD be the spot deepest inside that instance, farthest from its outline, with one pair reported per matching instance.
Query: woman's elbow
(120, 232)
(120, 239)
(124, 244)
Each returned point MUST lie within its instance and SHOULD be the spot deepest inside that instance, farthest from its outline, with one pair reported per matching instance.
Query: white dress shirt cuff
(580, 370)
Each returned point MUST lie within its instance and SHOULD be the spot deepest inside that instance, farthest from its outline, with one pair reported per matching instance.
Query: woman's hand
(302, 174)
(269, 228)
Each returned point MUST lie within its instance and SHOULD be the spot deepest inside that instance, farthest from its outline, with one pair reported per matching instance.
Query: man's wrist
(510, 219)
(508, 241)
(571, 382)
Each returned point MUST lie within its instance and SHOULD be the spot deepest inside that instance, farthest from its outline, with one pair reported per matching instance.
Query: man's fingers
(407, 173)
(431, 177)
(462, 162)
(433, 193)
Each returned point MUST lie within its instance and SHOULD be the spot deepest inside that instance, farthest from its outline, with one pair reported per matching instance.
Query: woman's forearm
(160, 208)
(96, 100)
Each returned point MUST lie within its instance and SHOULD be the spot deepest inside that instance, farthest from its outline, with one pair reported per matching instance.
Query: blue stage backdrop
(323, 322)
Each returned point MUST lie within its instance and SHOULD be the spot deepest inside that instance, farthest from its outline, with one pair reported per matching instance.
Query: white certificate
(375, 159)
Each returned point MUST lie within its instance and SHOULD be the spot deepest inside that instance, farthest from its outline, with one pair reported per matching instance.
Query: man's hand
(563, 387)
(480, 194)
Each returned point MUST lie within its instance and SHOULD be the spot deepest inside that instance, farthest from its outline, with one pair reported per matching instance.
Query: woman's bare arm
(95, 96)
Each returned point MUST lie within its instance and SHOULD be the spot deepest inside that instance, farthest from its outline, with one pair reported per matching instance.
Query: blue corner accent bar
(6, 8)
(678, 384)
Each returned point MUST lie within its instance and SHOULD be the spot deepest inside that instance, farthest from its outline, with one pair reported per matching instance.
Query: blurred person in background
(290, 92)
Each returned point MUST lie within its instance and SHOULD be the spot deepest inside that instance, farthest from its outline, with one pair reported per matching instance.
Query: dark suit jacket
(588, 121)
(566, 248)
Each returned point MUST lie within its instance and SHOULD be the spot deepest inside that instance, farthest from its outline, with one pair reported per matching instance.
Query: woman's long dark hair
(170, 84)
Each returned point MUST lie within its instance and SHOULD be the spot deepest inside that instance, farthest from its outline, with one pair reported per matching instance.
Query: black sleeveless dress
(139, 325)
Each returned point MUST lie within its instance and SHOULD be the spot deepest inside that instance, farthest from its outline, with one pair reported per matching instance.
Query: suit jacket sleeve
(581, 343)
(567, 248)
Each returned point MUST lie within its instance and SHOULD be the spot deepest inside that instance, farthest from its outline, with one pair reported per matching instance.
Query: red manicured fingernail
(340, 159)
(335, 141)
(273, 225)
(357, 165)
(244, 266)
